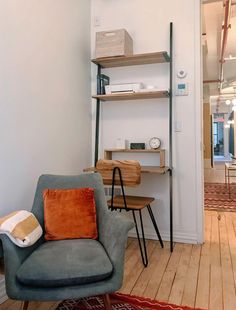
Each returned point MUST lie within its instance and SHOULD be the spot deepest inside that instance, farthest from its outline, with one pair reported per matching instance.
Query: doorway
(220, 137)
(219, 87)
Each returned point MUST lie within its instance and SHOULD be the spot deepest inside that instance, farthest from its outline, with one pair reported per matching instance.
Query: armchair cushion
(65, 262)
(69, 214)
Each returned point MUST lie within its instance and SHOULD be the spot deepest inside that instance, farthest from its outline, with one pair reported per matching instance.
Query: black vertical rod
(97, 117)
(170, 137)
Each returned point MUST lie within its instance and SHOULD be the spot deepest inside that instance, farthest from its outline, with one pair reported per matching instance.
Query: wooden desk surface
(144, 169)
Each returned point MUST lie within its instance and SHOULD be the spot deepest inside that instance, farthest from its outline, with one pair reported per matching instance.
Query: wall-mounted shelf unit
(135, 60)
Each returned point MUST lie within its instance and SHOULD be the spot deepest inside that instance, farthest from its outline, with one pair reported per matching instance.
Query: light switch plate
(178, 126)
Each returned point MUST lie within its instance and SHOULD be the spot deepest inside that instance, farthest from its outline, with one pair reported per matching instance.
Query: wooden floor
(201, 276)
(216, 174)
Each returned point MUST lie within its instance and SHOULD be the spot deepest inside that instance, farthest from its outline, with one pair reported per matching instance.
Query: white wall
(45, 114)
(138, 121)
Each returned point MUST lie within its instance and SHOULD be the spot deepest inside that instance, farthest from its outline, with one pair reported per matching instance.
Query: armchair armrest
(113, 235)
(13, 258)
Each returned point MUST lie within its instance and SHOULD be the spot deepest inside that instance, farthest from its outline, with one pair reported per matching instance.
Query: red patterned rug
(217, 197)
(119, 302)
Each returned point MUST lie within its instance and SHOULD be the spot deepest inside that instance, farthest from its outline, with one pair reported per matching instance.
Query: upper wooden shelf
(133, 60)
(133, 96)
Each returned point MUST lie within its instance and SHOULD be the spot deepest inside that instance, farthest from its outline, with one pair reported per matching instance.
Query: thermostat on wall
(181, 89)
(181, 74)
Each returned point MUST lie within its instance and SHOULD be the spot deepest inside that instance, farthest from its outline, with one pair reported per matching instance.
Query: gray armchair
(66, 269)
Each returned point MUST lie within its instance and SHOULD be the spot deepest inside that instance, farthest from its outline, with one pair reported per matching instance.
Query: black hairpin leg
(143, 249)
(155, 225)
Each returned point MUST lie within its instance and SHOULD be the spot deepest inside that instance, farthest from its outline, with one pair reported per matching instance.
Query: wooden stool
(129, 174)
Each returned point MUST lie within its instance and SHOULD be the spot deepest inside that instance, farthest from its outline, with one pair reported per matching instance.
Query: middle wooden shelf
(108, 153)
(133, 96)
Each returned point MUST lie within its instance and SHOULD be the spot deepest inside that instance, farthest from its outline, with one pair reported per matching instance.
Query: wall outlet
(178, 126)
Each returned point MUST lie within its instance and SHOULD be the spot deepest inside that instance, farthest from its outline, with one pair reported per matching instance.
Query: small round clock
(154, 143)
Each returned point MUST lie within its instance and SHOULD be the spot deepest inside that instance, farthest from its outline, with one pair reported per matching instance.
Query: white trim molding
(199, 192)
(181, 237)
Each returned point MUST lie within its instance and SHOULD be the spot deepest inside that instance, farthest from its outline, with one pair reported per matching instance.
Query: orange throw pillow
(69, 214)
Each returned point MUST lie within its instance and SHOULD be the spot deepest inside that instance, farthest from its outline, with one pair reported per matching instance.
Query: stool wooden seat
(128, 173)
(132, 202)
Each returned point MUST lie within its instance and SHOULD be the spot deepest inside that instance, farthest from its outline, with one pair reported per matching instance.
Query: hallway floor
(216, 174)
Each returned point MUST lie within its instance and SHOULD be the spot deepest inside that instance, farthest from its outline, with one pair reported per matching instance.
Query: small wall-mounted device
(181, 89)
(181, 74)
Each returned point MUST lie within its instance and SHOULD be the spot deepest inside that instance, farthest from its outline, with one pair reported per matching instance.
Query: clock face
(155, 143)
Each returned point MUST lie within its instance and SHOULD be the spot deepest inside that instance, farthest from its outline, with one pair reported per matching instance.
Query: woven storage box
(113, 43)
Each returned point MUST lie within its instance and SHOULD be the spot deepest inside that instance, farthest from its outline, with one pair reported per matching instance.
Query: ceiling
(213, 13)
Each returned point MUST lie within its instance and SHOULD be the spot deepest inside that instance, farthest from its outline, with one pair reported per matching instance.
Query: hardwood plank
(147, 283)
(215, 175)
(33, 305)
(54, 306)
(13, 304)
(132, 263)
(230, 218)
(190, 287)
(159, 266)
(202, 297)
(134, 267)
(6, 305)
(216, 298)
(177, 289)
(129, 241)
(144, 277)
(16, 305)
(47, 305)
(169, 275)
(229, 297)
(131, 250)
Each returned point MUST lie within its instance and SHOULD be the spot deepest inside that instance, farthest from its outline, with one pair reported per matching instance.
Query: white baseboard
(178, 237)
